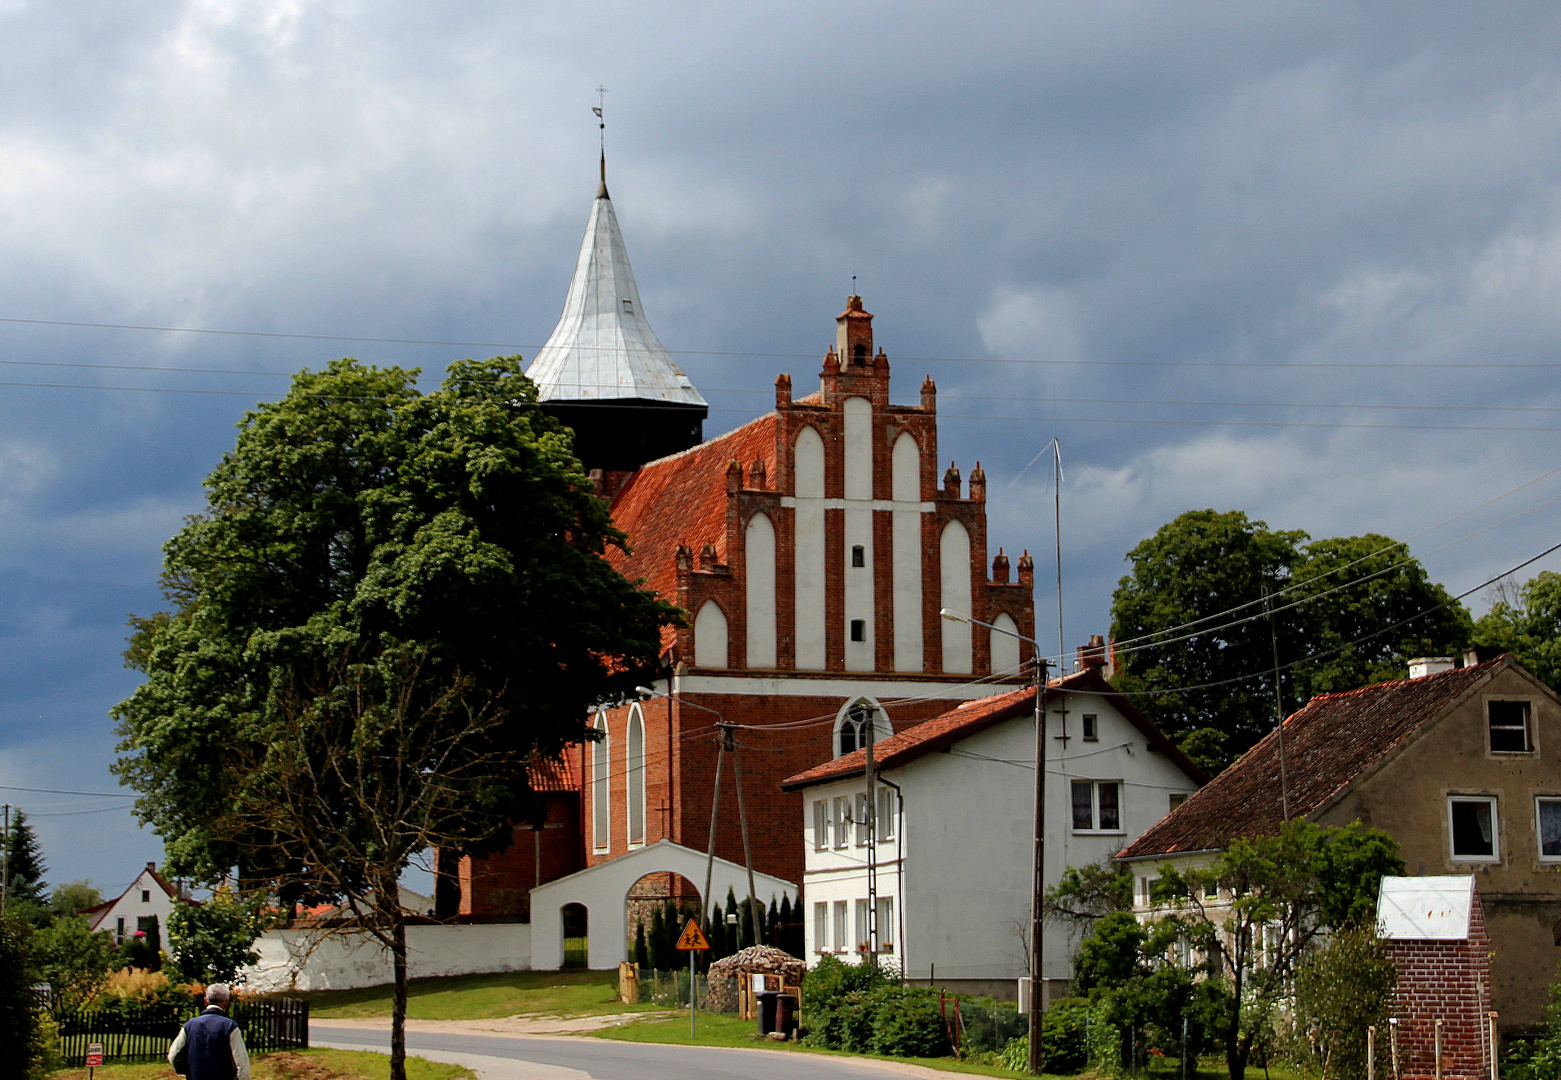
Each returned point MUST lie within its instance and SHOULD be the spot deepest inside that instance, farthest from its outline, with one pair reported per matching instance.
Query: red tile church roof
(682, 500)
(1328, 744)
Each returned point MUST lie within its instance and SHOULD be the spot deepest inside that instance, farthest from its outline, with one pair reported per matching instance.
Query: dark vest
(211, 1054)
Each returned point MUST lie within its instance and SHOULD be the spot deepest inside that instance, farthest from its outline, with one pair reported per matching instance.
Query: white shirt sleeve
(178, 1044)
(240, 1055)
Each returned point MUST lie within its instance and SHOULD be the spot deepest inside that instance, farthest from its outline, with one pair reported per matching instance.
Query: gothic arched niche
(759, 575)
(601, 790)
(851, 725)
(710, 636)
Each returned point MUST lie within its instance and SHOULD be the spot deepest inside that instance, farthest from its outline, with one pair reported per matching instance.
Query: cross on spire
(601, 125)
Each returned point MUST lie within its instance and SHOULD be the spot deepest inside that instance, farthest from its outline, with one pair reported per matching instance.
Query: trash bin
(786, 1014)
(769, 1001)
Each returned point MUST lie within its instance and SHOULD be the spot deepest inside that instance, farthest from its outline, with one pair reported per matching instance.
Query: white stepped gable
(603, 349)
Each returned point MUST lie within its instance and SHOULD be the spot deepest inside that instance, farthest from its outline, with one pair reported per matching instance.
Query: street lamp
(727, 743)
(1038, 868)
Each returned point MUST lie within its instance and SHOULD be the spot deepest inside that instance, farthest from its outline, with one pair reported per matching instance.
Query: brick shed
(1435, 933)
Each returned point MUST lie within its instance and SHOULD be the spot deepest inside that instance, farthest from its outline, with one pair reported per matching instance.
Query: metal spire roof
(603, 349)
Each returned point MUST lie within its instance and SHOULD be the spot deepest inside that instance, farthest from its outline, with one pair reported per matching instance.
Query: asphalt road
(501, 1057)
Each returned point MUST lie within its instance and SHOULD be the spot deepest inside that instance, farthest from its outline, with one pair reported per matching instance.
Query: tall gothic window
(601, 793)
(636, 763)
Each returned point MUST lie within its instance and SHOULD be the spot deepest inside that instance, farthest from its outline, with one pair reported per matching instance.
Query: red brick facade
(1448, 981)
(687, 518)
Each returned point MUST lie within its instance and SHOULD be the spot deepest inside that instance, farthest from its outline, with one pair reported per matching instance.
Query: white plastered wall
(858, 532)
(905, 491)
(1005, 646)
(293, 959)
(809, 472)
(759, 570)
(710, 640)
(954, 553)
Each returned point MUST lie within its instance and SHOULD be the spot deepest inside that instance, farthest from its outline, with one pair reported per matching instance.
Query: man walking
(211, 1046)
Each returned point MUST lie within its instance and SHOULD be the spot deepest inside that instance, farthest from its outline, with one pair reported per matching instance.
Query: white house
(144, 906)
(955, 798)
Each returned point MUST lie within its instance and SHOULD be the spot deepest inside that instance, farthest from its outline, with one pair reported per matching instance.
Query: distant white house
(144, 906)
(955, 813)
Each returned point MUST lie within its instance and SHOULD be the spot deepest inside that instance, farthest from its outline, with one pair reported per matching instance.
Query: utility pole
(5, 861)
(1279, 708)
(715, 807)
(1038, 886)
(742, 817)
(869, 724)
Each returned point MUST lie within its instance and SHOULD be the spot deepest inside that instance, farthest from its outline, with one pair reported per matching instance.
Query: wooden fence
(268, 1024)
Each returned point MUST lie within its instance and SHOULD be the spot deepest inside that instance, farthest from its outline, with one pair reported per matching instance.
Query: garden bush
(909, 1023)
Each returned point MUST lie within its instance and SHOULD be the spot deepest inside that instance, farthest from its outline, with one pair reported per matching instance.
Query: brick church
(811, 548)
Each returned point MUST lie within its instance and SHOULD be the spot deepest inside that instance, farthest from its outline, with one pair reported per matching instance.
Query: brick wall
(500, 885)
(1450, 981)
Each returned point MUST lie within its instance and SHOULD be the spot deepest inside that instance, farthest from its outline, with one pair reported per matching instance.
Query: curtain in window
(1110, 812)
(1083, 808)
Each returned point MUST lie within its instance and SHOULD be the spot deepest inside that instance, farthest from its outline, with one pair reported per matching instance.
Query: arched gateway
(603, 890)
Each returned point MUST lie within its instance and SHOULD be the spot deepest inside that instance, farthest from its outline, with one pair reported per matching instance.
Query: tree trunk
(398, 1010)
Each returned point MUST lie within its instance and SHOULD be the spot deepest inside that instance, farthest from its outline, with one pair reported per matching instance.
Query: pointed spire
(603, 349)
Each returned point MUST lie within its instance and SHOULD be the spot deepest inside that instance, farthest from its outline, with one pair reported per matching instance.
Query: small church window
(858, 555)
(859, 354)
(628, 307)
(858, 629)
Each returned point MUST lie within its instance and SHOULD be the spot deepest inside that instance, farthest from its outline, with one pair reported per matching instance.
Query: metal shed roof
(1425, 908)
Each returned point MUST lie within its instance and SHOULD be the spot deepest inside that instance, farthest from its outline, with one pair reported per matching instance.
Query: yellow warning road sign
(692, 938)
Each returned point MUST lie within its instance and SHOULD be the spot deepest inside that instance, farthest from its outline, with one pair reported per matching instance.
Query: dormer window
(1509, 727)
(858, 555)
(628, 307)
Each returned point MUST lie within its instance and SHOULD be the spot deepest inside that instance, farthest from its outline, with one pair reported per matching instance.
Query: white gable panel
(1425, 908)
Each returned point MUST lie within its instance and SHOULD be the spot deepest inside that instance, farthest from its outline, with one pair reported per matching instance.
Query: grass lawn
(481, 997)
(294, 1065)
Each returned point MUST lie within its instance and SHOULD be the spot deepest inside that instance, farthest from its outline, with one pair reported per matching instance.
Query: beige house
(1462, 766)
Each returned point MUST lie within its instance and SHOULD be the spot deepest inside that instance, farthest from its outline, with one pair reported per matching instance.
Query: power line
(1307, 365)
(60, 791)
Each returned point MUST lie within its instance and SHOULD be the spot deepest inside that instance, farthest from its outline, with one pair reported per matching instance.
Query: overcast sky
(1302, 259)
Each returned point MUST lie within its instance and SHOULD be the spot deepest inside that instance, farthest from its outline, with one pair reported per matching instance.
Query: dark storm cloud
(1231, 183)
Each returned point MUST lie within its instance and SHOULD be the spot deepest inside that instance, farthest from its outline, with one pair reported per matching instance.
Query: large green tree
(1348, 611)
(1255, 911)
(1525, 620)
(24, 864)
(392, 602)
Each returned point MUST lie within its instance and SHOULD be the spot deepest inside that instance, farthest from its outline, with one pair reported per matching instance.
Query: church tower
(603, 372)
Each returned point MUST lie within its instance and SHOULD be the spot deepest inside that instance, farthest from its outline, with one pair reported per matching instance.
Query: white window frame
(859, 818)
(634, 788)
(1539, 835)
(1088, 721)
(1495, 855)
(863, 926)
(1529, 741)
(821, 926)
(886, 815)
(886, 924)
(1094, 809)
(882, 728)
(842, 923)
(842, 822)
(821, 825)
(601, 788)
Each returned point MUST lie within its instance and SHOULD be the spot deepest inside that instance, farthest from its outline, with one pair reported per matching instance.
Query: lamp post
(727, 743)
(1038, 857)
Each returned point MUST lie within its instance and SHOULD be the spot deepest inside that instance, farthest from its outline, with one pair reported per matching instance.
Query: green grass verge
(295, 1065)
(716, 1029)
(482, 997)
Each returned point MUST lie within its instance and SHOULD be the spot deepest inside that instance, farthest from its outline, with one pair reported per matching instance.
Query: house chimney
(1092, 657)
(1421, 666)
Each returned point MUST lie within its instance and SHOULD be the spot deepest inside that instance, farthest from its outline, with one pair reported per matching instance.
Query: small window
(1509, 727)
(842, 822)
(1211, 890)
(859, 353)
(884, 826)
(841, 908)
(820, 825)
(858, 555)
(1549, 814)
(858, 629)
(1177, 798)
(628, 307)
(119, 930)
(862, 937)
(886, 923)
(1097, 806)
(1091, 728)
(821, 927)
(146, 896)
(1474, 829)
